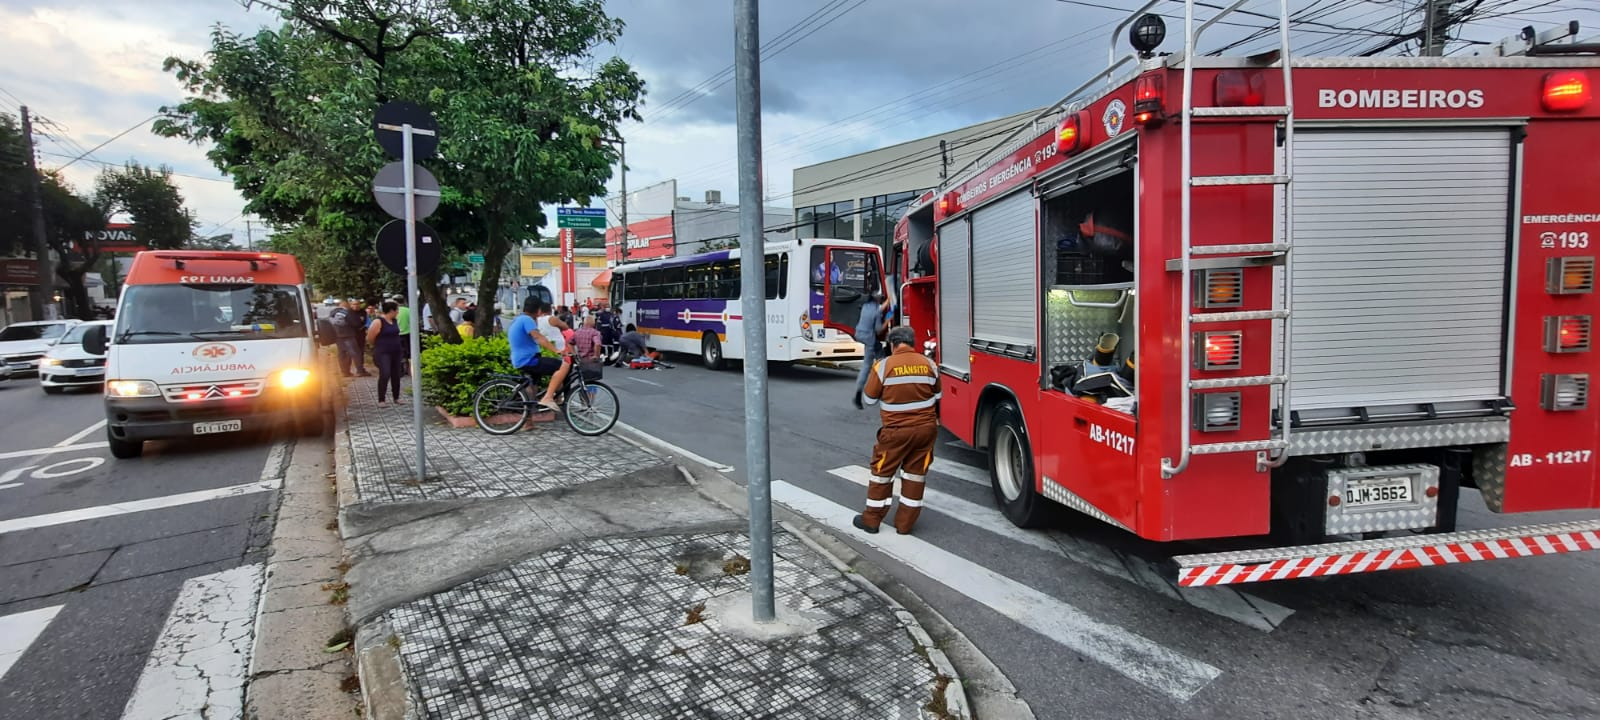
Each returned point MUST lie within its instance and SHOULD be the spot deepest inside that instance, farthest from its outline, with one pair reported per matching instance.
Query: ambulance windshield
(190, 313)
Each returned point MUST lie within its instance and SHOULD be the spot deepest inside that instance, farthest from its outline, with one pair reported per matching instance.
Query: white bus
(815, 291)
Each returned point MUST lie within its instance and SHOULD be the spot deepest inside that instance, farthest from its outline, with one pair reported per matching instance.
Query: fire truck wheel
(1011, 470)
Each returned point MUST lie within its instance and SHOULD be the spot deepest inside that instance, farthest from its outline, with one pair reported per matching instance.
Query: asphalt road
(1080, 620)
(88, 596)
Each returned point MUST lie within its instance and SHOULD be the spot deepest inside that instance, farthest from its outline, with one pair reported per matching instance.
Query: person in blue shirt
(874, 320)
(535, 353)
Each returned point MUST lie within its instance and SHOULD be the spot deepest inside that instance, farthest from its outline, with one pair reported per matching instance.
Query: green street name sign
(581, 218)
(475, 259)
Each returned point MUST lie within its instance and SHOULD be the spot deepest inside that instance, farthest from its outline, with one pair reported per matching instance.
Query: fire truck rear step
(1249, 249)
(1246, 111)
(1392, 553)
(1218, 180)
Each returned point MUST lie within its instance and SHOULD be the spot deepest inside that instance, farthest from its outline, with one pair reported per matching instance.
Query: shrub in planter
(452, 373)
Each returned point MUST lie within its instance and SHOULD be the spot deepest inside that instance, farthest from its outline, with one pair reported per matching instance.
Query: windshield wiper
(135, 333)
(209, 333)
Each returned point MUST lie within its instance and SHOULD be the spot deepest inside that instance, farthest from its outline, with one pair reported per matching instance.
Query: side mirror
(94, 340)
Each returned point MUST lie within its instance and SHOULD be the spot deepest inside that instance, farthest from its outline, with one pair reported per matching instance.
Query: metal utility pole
(622, 166)
(753, 304)
(1436, 30)
(249, 235)
(40, 297)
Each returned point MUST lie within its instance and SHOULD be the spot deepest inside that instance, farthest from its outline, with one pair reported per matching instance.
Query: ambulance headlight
(293, 377)
(131, 388)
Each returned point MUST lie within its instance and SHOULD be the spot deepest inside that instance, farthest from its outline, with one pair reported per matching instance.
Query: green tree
(73, 223)
(520, 98)
(16, 218)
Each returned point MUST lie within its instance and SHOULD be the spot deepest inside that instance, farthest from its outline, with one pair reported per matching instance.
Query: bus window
(777, 276)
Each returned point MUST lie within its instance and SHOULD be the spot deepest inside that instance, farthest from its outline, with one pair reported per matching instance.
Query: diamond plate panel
(1489, 473)
(1421, 512)
(1072, 331)
(1312, 441)
(1056, 492)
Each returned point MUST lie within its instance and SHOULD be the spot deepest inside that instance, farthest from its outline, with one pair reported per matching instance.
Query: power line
(111, 164)
(87, 153)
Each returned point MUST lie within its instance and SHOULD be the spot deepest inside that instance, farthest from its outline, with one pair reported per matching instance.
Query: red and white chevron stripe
(1304, 562)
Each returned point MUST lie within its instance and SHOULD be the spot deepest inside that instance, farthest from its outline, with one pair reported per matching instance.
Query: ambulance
(209, 344)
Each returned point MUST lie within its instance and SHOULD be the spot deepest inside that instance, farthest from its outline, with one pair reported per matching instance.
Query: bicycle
(503, 404)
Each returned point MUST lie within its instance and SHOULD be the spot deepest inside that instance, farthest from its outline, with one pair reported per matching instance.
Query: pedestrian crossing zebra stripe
(1247, 610)
(1122, 651)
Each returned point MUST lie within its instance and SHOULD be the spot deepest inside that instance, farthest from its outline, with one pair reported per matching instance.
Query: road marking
(51, 450)
(649, 439)
(18, 631)
(1254, 612)
(198, 665)
(1122, 651)
(67, 467)
(81, 434)
(133, 506)
(642, 380)
(961, 471)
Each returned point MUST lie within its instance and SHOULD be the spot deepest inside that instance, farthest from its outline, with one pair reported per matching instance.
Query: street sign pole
(411, 296)
(753, 303)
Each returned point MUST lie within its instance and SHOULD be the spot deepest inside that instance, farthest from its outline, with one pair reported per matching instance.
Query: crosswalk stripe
(1124, 652)
(961, 471)
(132, 506)
(18, 631)
(198, 665)
(1263, 615)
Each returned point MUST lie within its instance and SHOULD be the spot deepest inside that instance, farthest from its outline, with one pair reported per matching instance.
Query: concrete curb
(997, 697)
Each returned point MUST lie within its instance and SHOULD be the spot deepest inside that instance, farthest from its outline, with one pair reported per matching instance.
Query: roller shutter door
(955, 294)
(1400, 252)
(1004, 266)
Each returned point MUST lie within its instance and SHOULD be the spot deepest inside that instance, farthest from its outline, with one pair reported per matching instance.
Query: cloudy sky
(840, 76)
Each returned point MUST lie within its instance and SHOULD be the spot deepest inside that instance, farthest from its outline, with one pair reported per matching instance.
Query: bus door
(846, 279)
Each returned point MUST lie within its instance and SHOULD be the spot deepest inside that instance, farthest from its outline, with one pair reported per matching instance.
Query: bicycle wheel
(498, 408)
(594, 410)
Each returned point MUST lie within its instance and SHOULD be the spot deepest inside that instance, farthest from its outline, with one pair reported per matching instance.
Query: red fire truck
(1306, 301)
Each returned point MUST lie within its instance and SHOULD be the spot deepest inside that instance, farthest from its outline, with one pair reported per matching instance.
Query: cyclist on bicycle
(537, 348)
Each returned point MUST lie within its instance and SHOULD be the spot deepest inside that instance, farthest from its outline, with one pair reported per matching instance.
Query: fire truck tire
(1011, 472)
(711, 352)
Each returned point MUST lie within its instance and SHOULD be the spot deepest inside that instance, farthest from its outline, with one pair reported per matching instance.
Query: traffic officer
(905, 386)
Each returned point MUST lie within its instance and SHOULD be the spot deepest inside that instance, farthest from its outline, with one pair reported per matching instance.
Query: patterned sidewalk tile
(466, 463)
(600, 630)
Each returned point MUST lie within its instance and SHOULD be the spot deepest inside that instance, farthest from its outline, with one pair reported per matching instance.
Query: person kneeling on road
(907, 385)
(537, 349)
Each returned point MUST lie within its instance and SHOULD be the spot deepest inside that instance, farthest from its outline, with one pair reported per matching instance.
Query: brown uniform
(906, 387)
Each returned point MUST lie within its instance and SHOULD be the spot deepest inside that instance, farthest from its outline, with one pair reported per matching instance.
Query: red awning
(603, 279)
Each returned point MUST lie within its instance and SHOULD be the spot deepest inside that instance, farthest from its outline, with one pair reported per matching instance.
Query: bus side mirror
(94, 340)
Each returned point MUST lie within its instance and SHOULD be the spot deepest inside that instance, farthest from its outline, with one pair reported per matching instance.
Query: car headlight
(293, 377)
(132, 388)
(49, 362)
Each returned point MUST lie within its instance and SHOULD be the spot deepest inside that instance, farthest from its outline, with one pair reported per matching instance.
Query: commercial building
(860, 197)
(662, 223)
(542, 266)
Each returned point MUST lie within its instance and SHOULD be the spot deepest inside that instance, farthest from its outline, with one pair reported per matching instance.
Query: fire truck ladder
(1271, 452)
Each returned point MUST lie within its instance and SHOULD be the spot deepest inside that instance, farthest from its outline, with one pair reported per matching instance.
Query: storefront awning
(603, 279)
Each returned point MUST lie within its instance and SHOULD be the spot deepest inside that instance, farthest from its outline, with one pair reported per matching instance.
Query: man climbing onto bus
(870, 327)
(905, 385)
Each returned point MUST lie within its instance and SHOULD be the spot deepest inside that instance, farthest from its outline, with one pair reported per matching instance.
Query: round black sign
(389, 120)
(392, 247)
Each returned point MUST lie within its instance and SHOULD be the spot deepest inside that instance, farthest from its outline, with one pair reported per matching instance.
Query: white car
(66, 364)
(23, 343)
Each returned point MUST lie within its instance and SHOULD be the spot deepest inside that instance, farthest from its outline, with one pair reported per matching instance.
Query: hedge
(452, 373)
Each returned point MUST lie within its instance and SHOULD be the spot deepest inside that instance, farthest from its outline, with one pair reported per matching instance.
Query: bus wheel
(711, 351)
(1011, 472)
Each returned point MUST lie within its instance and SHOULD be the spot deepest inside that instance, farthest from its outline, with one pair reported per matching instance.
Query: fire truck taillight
(1219, 350)
(1566, 333)
(1567, 91)
(1216, 412)
(948, 204)
(1237, 88)
(1564, 392)
(1219, 287)
(1569, 275)
(1147, 94)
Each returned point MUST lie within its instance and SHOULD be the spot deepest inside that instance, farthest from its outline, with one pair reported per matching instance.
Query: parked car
(23, 344)
(67, 364)
(5, 371)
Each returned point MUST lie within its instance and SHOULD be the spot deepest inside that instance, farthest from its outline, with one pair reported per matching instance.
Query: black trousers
(389, 364)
